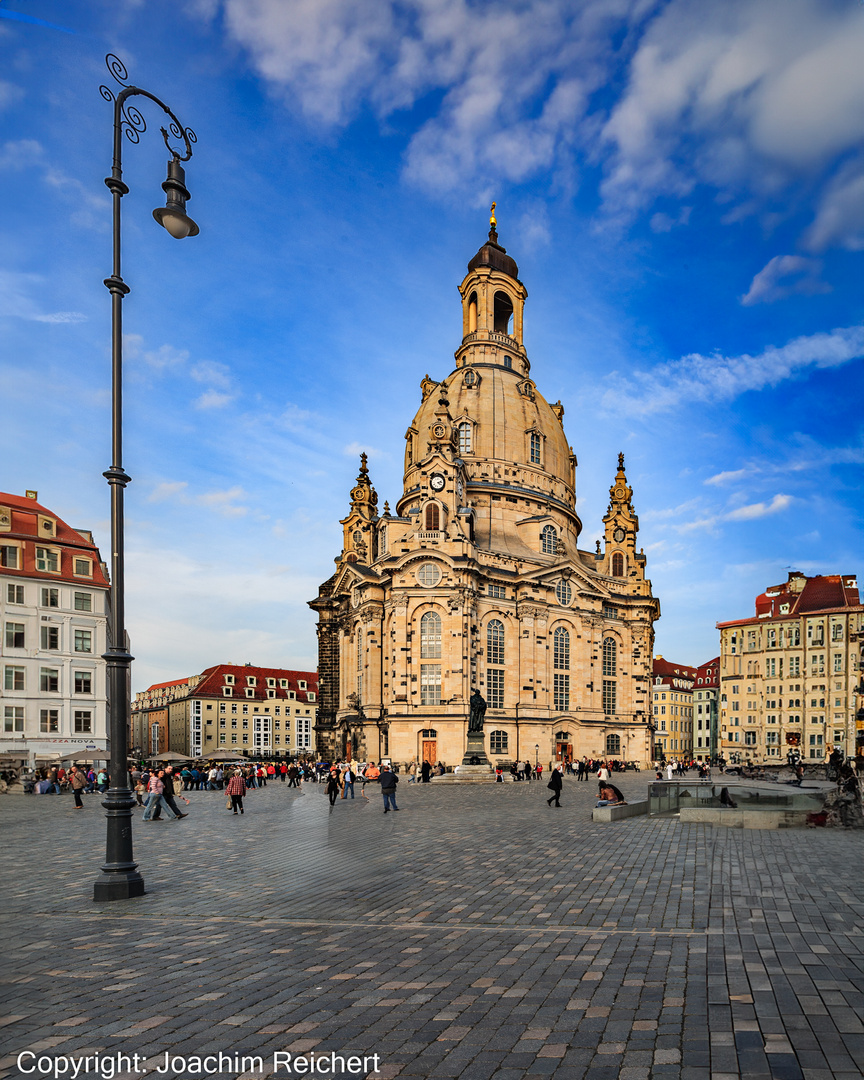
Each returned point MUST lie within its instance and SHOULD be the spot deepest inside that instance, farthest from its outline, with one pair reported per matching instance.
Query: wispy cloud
(729, 476)
(17, 302)
(213, 399)
(225, 502)
(785, 275)
(715, 378)
(750, 512)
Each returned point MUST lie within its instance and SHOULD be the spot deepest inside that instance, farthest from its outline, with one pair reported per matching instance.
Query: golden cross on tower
(493, 222)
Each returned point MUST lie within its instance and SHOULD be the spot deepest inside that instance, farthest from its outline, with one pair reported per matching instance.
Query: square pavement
(478, 933)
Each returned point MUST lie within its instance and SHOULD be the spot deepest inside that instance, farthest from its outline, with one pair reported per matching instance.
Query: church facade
(476, 582)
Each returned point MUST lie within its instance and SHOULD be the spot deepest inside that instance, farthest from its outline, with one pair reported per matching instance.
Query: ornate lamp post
(120, 879)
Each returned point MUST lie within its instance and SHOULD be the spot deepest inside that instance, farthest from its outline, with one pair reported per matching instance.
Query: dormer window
(302, 684)
(271, 693)
(310, 696)
(227, 691)
(548, 540)
(83, 568)
(250, 692)
(283, 683)
(229, 679)
(48, 560)
(251, 680)
(271, 682)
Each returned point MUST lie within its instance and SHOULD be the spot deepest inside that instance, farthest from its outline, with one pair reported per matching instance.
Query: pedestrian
(283, 772)
(293, 776)
(348, 781)
(425, 772)
(236, 790)
(388, 781)
(332, 788)
(538, 771)
(78, 781)
(670, 769)
(155, 799)
(556, 782)
(140, 790)
(168, 792)
(412, 773)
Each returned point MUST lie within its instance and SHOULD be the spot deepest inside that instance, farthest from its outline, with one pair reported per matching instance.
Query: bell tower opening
(472, 313)
(502, 313)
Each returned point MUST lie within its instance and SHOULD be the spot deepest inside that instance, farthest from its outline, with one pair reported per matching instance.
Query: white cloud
(840, 216)
(20, 153)
(213, 373)
(167, 490)
(223, 502)
(760, 509)
(728, 477)
(161, 359)
(782, 276)
(213, 399)
(16, 300)
(662, 223)
(717, 378)
(355, 449)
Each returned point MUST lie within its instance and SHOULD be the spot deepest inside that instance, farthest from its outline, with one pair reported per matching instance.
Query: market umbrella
(169, 755)
(89, 757)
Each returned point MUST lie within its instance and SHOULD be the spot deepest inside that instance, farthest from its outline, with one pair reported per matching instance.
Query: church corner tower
(477, 581)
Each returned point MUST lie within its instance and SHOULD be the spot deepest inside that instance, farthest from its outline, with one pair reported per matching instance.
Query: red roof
(802, 595)
(213, 680)
(708, 674)
(71, 542)
(165, 685)
(667, 671)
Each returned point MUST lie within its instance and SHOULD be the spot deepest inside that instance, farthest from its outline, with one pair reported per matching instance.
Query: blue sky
(682, 185)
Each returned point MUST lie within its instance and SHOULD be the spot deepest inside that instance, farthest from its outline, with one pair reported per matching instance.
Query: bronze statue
(478, 712)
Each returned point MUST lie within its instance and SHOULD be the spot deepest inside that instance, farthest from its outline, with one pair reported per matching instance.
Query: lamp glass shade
(176, 222)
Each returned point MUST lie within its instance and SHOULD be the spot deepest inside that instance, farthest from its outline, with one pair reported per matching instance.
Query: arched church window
(465, 432)
(429, 733)
(548, 540)
(495, 642)
(433, 517)
(508, 362)
(535, 448)
(430, 636)
(561, 655)
(564, 593)
(617, 565)
(503, 312)
(610, 656)
(498, 742)
(359, 651)
(613, 744)
(472, 313)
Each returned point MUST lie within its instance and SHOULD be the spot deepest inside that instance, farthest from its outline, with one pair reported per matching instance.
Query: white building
(54, 610)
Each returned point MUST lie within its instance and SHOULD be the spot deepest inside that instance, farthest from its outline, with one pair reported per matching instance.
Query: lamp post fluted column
(120, 879)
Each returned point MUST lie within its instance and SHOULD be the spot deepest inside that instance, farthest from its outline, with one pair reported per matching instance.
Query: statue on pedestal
(477, 713)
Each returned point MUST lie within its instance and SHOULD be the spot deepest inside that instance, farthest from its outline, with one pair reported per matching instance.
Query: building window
(250, 693)
(498, 742)
(749, 738)
(427, 575)
(245, 709)
(613, 744)
(429, 733)
(838, 662)
(47, 559)
(610, 612)
(564, 593)
(433, 517)
(83, 568)
(227, 691)
(83, 641)
(83, 721)
(498, 591)
(610, 656)
(271, 693)
(535, 448)
(561, 651)
(561, 692)
(50, 637)
(14, 635)
(464, 429)
(49, 721)
(430, 684)
(610, 703)
(83, 682)
(617, 565)
(49, 680)
(13, 718)
(495, 642)
(9, 556)
(495, 688)
(15, 594)
(50, 598)
(229, 679)
(548, 540)
(430, 636)
(83, 601)
(13, 678)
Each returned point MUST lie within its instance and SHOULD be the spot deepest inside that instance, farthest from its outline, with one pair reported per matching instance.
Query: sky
(681, 183)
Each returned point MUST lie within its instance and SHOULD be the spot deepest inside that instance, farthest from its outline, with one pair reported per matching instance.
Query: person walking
(78, 781)
(556, 782)
(333, 785)
(425, 772)
(236, 790)
(348, 781)
(388, 781)
(168, 793)
(155, 799)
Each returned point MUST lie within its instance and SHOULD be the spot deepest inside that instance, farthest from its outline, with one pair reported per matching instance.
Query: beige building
(54, 611)
(477, 581)
(673, 710)
(238, 708)
(790, 675)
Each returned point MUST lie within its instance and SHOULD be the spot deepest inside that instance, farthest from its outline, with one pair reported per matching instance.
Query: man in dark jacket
(425, 772)
(555, 784)
(167, 778)
(388, 781)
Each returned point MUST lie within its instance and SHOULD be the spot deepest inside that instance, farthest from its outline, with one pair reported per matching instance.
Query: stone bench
(618, 813)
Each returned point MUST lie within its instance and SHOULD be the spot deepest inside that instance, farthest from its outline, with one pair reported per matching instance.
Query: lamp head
(172, 216)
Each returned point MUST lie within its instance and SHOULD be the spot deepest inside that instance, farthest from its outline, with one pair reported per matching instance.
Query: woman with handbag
(556, 782)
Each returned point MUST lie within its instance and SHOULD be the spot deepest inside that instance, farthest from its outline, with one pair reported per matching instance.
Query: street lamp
(537, 753)
(120, 879)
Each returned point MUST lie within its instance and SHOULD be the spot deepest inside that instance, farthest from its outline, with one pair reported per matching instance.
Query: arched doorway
(429, 745)
(563, 746)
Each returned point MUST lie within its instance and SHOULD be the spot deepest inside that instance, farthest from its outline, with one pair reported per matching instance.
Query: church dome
(493, 255)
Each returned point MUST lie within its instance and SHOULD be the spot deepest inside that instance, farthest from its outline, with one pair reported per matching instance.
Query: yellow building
(673, 710)
(790, 676)
(477, 580)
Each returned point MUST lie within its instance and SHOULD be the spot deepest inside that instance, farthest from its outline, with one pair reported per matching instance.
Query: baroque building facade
(477, 581)
(673, 710)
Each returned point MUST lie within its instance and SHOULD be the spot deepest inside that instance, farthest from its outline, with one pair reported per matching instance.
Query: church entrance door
(346, 747)
(563, 751)
(430, 751)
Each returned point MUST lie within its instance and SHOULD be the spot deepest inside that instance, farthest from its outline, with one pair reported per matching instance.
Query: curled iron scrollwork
(118, 71)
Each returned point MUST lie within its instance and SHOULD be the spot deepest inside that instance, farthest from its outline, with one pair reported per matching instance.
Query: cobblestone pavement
(478, 933)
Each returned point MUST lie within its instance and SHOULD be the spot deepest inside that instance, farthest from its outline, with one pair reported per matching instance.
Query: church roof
(492, 254)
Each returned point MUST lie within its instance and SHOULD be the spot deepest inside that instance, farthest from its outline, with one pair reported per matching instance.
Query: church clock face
(620, 492)
(619, 535)
(437, 482)
(439, 431)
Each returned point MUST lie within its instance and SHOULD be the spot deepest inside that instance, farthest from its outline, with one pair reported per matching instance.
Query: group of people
(607, 793)
(342, 777)
(56, 780)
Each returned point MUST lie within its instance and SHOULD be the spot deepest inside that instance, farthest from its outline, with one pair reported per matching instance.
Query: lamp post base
(122, 886)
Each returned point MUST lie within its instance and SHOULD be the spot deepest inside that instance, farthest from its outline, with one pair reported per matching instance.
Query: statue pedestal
(475, 752)
(470, 774)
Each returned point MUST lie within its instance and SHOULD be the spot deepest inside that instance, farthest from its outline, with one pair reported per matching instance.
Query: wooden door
(430, 751)
(563, 750)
